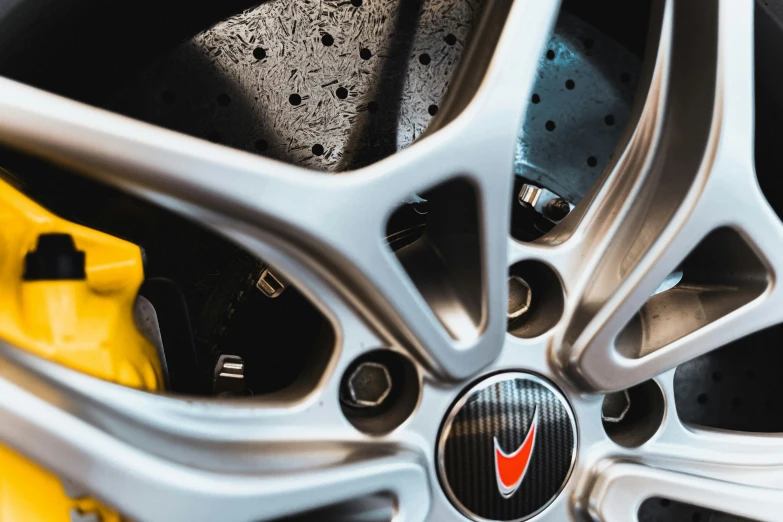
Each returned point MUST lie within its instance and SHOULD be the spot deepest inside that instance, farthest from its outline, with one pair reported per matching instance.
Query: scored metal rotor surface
(395, 67)
(685, 172)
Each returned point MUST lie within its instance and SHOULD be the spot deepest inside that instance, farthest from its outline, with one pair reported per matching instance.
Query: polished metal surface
(616, 406)
(146, 320)
(369, 385)
(682, 183)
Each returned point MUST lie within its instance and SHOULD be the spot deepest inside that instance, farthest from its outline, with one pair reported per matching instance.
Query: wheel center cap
(507, 447)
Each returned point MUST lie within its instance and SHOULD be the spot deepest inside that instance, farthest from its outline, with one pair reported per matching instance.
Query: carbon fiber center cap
(507, 448)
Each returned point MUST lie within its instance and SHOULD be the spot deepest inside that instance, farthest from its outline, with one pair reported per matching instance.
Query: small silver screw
(519, 297)
(270, 284)
(369, 385)
(229, 376)
(529, 195)
(616, 406)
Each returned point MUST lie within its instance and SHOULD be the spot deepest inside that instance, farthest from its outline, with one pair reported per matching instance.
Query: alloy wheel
(681, 196)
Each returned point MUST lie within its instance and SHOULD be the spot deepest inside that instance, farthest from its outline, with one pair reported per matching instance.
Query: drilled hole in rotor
(259, 53)
(535, 299)
(379, 390)
(592, 161)
(550, 55)
(356, 3)
(327, 39)
(609, 119)
(450, 39)
(432, 110)
(294, 99)
(631, 417)
(424, 59)
(550, 125)
(318, 149)
(570, 85)
(716, 391)
(341, 93)
(365, 54)
(535, 98)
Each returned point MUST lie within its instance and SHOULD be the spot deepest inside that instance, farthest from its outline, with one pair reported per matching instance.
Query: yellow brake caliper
(67, 293)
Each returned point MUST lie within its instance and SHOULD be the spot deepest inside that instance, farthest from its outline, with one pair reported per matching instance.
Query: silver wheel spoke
(737, 473)
(622, 487)
(483, 112)
(686, 173)
(158, 458)
(335, 224)
(331, 225)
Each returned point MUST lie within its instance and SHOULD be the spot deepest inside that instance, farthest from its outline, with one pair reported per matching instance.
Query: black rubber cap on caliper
(55, 258)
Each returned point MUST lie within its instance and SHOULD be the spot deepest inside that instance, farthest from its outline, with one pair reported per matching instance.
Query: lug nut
(368, 386)
(519, 297)
(616, 406)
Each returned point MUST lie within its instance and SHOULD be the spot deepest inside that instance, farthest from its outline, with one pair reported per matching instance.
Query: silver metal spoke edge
(209, 461)
(730, 472)
(642, 223)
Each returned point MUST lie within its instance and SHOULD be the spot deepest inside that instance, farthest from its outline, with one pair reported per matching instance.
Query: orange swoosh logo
(510, 468)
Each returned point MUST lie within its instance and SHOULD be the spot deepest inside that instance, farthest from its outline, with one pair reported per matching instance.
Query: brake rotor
(336, 85)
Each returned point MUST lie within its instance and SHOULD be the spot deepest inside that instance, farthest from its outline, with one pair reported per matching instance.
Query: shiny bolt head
(616, 406)
(519, 297)
(529, 195)
(369, 385)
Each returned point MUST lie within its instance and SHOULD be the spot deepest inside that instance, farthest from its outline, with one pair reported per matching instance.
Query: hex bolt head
(519, 297)
(616, 406)
(369, 385)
